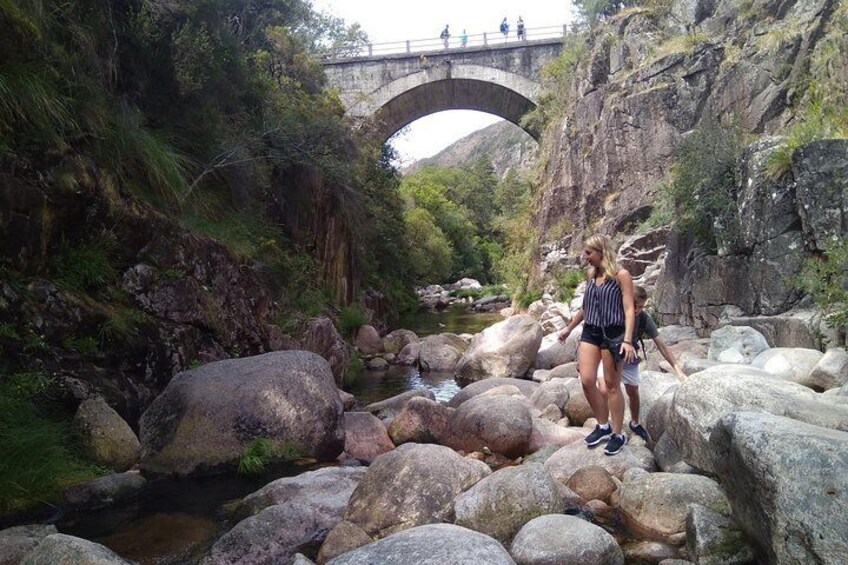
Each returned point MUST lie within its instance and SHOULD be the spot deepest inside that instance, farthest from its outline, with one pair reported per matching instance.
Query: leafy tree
(431, 257)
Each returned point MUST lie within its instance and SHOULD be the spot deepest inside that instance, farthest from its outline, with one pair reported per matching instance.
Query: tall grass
(87, 267)
(38, 456)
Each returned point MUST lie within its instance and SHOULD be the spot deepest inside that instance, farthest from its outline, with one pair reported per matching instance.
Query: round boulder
(105, 436)
(506, 349)
(422, 421)
(435, 544)
(592, 483)
(736, 344)
(365, 436)
(412, 485)
(501, 423)
(61, 548)
(208, 416)
(503, 502)
(788, 363)
(564, 540)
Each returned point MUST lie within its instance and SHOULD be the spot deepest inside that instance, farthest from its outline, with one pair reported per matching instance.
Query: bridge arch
(464, 87)
(396, 90)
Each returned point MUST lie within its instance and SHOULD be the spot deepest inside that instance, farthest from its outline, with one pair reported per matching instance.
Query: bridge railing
(454, 43)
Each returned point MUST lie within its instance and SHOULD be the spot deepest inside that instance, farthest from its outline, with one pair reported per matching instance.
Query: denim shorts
(608, 337)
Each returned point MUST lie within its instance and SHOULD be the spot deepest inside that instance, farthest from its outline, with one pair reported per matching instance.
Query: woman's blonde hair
(609, 265)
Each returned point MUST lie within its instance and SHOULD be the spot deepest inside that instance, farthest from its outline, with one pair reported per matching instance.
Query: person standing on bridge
(505, 29)
(445, 36)
(519, 29)
(463, 39)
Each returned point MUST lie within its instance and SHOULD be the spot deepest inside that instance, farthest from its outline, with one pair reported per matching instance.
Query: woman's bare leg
(588, 359)
(615, 400)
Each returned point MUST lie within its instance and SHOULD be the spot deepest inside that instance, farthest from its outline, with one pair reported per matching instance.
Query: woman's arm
(625, 283)
(575, 321)
(669, 356)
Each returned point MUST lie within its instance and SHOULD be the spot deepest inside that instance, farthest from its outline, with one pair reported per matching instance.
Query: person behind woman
(606, 338)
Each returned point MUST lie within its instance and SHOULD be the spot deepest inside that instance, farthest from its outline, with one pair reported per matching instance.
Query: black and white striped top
(602, 304)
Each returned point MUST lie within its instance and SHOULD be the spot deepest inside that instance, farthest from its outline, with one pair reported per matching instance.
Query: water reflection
(458, 319)
(373, 386)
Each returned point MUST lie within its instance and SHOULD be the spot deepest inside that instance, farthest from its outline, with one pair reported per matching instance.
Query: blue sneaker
(615, 444)
(640, 431)
(598, 435)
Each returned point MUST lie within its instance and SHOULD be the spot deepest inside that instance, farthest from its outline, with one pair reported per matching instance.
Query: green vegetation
(122, 325)
(256, 456)
(39, 456)
(701, 196)
(825, 279)
(566, 282)
(88, 267)
(527, 297)
(475, 293)
(352, 372)
(351, 318)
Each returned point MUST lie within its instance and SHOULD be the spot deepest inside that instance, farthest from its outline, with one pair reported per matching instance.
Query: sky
(393, 20)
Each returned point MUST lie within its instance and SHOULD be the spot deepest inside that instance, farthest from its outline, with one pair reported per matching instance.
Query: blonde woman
(607, 338)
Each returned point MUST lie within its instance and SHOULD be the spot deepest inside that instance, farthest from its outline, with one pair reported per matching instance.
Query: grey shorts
(630, 374)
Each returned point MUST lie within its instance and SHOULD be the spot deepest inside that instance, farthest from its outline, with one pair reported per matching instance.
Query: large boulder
(500, 422)
(286, 516)
(104, 491)
(503, 502)
(706, 397)
(208, 416)
(422, 421)
(565, 462)
(552, 353)
(365, 436)
(831, 371)
(789, 363)
(61, 549)
(786, 483)
(547, 433)
(398, 339)
(321, 336)
(440, 352)
(736, 344)
(105, 436)
(714, 539)
(435, 544)
(564, 540)
(655, 505)
(412, 485)
(17, 541)
(368, 340)
(506, 349)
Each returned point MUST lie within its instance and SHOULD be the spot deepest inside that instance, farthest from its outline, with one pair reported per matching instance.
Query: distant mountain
(504, 143)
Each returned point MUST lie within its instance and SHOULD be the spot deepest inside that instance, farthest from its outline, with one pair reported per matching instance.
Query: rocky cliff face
(173, 299)
(639, 96)
(504, 144)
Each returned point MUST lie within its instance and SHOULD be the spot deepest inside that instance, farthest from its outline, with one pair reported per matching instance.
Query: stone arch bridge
(397, 89)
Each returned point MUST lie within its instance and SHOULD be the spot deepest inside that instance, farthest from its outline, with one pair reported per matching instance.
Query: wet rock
(104, 491)
(209, 415)
(61, 548)
(654, 506)
(421, 420)
(500, 423)
(17, 541)
(500, 504)
(365, 436)
(506, 349)
(377, 364)
(105, 436)
(557, 538)
(785, 481)
(412, 485)
(435, 544)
